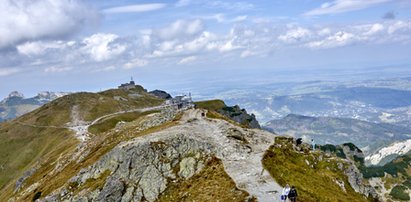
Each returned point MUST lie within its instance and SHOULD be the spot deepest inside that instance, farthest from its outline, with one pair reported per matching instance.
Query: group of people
(290, 193)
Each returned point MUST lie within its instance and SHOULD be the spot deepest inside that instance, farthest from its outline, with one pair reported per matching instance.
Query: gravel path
(242, 163)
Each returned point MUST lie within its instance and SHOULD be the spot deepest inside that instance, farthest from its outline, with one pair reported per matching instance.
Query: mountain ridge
(15, 104)
(138, 147)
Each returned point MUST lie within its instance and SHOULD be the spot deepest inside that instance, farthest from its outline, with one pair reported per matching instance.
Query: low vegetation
(213, 105)
(399, 192)
(33, 145)
(111, 122)
(314, 175)
(41, 139)
(211, 184)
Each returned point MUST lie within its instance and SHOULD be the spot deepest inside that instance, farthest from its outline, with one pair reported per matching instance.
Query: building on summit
(128, 86)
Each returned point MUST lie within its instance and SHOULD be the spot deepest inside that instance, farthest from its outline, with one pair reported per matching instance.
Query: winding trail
(80, 127)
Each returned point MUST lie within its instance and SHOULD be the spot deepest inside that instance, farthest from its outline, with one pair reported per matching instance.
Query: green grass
(314, 182)
(111, 122)
(22, 147)
(400, 193)
(211, 104)
(333, 149)
(211, 184)
(91, 106)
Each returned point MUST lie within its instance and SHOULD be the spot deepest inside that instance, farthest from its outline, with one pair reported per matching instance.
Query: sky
(92, 45)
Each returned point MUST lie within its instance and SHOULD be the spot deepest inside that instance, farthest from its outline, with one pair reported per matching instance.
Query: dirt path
(80, 127)
(242, 164)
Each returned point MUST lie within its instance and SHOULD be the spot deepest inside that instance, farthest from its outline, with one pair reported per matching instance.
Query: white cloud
(25, 20)
(137, 8)
(136, 62)
(340, 38)
(181, 29)
(228, 46)
(295, 35)
(239, 18)
(399, 26)
(342, 6)
(324, 31)
(187, 60)
(102, 47)
(182, 3)
(36, 48)
(8, 71)
(375, 28)
(240, 6)
(247, 53)
(221, 18)
(185, 41)
(55, 69)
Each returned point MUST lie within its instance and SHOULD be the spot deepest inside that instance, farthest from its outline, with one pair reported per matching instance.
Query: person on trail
(298, 142)
(285, 192)
(313, 144)
(292, 195)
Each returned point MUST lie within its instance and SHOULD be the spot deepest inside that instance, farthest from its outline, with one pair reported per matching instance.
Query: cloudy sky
(73, 45)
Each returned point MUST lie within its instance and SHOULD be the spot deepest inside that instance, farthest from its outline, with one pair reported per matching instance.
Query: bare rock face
(140, 170)
(240, 116)
(355, 178)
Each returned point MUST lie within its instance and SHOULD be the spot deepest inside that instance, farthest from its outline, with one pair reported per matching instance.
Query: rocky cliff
(234, 113)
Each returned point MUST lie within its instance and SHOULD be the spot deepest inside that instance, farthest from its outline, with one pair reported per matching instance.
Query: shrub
(399, 192)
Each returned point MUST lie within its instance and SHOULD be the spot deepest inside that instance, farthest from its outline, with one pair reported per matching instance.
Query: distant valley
(369, 136)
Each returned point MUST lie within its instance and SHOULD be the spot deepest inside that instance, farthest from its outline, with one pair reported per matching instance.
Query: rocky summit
(131, 145)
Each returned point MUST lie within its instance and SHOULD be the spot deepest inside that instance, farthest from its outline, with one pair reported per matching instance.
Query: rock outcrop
(240, 115)
(143, 169)
(161, 94)
(356, 180)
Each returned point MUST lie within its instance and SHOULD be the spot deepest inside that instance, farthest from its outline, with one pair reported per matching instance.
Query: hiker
(292, 195)
(313, 144)
(285, 192)
(299, 141)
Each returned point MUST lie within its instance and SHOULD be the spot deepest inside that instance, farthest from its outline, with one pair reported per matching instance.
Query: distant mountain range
(389, 153)
(15, 104)
(125, 144)
(327, 130)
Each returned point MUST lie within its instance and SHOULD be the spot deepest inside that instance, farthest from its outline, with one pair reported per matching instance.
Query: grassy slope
(102, 144)
(91, 106)
(22, 146)
(211, 184)
(111, 122)
(315, 183)
(211, 104)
